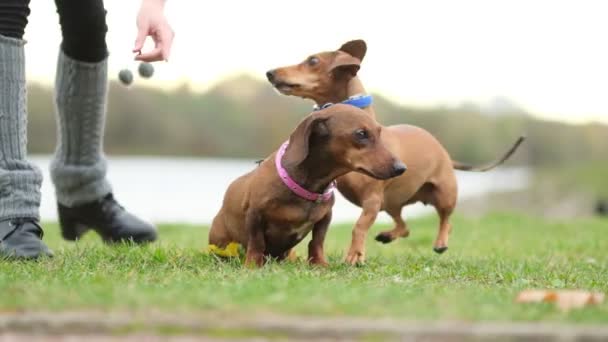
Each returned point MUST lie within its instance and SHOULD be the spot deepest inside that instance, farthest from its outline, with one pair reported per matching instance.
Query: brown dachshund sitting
(331, 77)
(272, 208)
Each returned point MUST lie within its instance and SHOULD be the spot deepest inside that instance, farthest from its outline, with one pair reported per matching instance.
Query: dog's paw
(318, 262)
(384, 237)
(355, 258)
(254, 260)
(440, 250)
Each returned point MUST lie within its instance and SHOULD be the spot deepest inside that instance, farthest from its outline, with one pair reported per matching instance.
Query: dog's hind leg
(444, 200)
(400, 229)
(371, 206)
(441, 243)
(218, 235)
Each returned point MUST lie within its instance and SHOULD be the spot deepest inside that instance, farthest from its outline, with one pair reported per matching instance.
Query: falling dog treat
(125, 76)
(146, 70)
(564, 299)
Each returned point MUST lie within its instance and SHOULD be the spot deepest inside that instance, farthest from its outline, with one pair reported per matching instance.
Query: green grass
(489, 261)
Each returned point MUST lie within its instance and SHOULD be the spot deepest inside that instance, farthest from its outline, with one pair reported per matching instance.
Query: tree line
(245, 118)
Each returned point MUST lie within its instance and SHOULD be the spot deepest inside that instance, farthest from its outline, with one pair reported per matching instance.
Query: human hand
(151, 21)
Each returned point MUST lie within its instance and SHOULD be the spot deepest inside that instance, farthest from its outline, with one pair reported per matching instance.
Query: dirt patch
(78, 326)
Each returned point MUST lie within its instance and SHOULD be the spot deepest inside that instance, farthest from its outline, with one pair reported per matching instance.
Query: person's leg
(20, 181)
(79, 168)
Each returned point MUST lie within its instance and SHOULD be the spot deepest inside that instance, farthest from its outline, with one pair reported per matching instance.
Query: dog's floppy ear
(299, 141)
(345, 64)
(356, 48)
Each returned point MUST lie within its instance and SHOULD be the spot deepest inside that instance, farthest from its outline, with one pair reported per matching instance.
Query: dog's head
(322, 77)
(346, 139)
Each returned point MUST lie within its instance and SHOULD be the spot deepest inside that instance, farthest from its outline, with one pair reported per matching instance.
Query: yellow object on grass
(233, 249)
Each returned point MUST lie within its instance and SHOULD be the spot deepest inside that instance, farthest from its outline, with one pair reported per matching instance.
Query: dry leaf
(564, 299)
(531, 296)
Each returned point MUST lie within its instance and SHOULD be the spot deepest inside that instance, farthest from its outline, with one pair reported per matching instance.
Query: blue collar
(361, 101)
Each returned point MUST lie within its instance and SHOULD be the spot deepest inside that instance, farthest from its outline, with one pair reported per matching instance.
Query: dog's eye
(361, 135)
(312, 61)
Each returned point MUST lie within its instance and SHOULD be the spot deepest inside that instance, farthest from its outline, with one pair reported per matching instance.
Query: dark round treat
(146, 70)
(125, 76)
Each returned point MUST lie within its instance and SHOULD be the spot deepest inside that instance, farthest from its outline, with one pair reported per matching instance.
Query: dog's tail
(466, 167)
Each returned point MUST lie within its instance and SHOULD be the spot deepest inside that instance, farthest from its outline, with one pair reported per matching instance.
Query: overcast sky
(549, 57)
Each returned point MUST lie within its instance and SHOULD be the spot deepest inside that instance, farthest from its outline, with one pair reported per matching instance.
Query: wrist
(153, 3)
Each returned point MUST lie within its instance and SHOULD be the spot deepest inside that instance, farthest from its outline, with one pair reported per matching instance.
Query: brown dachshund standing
(272, 208)
(331, 77)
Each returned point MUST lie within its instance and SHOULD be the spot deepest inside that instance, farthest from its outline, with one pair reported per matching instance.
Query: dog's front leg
(256, 244)
(371, 206)
(316, 254)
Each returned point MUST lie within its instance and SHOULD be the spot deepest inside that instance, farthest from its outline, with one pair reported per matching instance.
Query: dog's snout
(270, 75)
(398, 168)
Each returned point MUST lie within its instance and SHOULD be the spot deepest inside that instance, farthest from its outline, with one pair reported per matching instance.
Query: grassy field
(490, 259)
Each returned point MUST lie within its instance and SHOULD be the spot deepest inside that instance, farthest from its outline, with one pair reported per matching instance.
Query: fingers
(166, 42)
(152, 56)
(142, 33)
(163, 41)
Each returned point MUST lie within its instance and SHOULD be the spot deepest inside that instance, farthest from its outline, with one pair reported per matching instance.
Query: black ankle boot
(22, 239)
(108, 218)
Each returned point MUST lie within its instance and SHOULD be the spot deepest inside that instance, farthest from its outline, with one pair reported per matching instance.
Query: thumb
(141, 38)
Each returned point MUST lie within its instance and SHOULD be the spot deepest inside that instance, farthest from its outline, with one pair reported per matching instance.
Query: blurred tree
(243, 117)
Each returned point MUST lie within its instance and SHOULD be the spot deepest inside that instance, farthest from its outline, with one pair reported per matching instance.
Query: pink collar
(295, 187)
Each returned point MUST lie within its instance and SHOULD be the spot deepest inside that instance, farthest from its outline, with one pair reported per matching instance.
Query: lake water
(191, 190)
